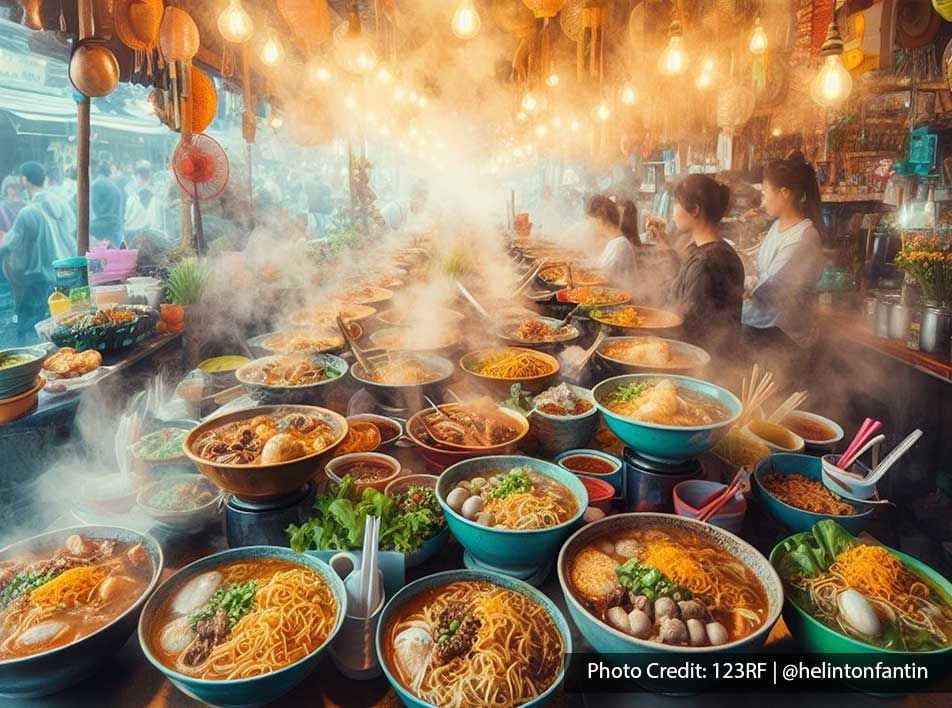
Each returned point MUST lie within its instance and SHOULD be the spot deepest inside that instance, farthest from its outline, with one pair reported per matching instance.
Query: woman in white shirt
(617, 229)
(779, 313)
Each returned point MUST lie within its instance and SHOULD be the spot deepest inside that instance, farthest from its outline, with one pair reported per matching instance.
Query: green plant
(187, 282)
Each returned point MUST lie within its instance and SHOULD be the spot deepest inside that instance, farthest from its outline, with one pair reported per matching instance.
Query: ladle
(472, 300)
(893, 457)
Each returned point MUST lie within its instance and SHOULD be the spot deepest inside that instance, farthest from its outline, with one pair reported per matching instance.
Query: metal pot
(883, 309)
(936, 329)
(899, 316)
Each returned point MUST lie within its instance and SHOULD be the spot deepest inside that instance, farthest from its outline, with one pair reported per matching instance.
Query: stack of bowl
(20, 381)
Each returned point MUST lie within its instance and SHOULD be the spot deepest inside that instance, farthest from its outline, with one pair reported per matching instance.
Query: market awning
(30, 108)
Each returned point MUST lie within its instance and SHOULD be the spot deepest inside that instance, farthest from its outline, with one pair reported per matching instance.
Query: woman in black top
(709, 287)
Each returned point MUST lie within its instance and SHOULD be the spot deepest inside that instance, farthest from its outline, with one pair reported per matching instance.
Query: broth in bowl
(663, 402)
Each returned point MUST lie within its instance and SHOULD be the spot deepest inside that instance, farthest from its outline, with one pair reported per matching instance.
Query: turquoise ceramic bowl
(607, 640)
(616, 477)
(257, 690)
(792, 518)
(507, 549)
(668, 442)
(18, 378)
(57, 669)
(563, 432)
(816, 638)
(437, 579)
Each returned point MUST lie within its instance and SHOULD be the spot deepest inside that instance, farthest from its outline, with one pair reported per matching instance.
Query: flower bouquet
(928, 261)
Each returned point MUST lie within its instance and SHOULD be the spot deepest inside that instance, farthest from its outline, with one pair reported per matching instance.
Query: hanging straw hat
(138, 22)
(204, 100)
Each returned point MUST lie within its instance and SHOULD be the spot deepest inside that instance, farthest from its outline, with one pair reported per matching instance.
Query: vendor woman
(708, 289)
(617, 231)
(779, 315)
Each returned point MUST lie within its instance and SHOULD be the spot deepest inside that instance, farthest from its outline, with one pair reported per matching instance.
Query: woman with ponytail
(617, 229)
(779, 312)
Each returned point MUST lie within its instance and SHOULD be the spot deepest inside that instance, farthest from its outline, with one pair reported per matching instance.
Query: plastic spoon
(843, 468)
(893, 457)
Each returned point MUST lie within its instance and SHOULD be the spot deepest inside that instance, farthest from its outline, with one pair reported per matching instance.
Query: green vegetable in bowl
(164, 444)
(628, 392)
(515, 482)
(15, 360)
(408, 519)
(235, 600)
(649, 581)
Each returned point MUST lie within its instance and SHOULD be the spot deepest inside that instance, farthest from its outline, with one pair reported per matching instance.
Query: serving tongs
(368, 366)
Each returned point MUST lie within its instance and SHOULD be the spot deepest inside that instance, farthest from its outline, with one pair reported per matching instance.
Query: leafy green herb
(187, 282)
(235, 600)
(406, 520)
(21, 584)
(516, 482)
(627, 393)
(649, 581)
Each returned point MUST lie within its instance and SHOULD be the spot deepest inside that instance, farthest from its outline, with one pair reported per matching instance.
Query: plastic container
(109, 265)
(107, 295)
(71, 272)
(689, 495)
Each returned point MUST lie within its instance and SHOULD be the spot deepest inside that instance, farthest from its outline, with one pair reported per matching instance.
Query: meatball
(673, 631)
(665, 607)
(641, 624)
(692, 609)
(641, 602)
(697, 632)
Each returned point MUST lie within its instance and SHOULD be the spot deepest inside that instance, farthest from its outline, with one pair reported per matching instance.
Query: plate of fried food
(69, 369)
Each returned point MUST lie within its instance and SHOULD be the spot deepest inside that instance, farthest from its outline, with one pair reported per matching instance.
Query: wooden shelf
(847, 198)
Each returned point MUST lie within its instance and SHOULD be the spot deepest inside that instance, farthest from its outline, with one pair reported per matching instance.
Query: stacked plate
(19, 369)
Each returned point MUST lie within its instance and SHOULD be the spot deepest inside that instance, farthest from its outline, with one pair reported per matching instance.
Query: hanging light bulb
(354, 50)
(399, 93)
(673, 60)
(628, 95)
(552, 80)
(776, 132)
(234, 23)
(541, 130)
(466, 20)
(758, 39)
(350, 102)
(274, 120)
(574, 126)
(272, 53)
(557, 122)
(318, 71)
(423, 102)
(833, 83)
(383, 75)
(522, 116)
(530, 102)
(705, 79)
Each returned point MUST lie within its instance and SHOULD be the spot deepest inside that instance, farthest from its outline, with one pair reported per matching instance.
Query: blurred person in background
(106, 221)
(144, 209)
(320, 206)
(44, 231)
(779, 313)
(708, 289)
(11, 202)
(617, 230)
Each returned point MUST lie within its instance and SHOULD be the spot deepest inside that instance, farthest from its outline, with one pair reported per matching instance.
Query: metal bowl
(264, 481)
(694, 358)
(507, 332)
(500, 385)
(308, 394)
(406, 396)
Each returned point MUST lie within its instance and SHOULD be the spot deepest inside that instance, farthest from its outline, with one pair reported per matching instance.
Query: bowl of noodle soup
(88, 584)
(534, 505)
(707, 575)
(508, 649)
(283, 610)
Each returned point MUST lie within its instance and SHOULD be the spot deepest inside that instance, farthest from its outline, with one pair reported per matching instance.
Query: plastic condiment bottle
(59, 304)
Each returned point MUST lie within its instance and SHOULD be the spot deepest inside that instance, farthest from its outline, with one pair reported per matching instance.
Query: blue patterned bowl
(508, 549)
(674, 443)
(57, 669)
(256, 690)
(414, 589)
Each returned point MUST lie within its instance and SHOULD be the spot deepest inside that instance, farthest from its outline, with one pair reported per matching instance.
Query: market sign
(18, 69)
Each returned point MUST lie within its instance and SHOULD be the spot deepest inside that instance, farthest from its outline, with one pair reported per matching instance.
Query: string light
(466, 21)
(673, 60)
(530, 102)
(552, 80)
(574, 126)
(602, 111)
(758, 39)
(383, 75)
(776, 132)
(350, 102)
(399, 93)
(705, 79)
(541, 130)
(272, 53)
(628, 94)
(522, 116)
(234, 23)
(318, 71)
(423, 102)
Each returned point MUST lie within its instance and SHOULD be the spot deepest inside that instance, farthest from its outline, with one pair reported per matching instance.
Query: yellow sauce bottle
(59, 304)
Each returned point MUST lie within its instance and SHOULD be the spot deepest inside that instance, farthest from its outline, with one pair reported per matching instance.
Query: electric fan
(201, 168)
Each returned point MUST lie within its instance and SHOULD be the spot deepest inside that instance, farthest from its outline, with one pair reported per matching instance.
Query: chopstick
(755, 392)
(794, 401)
(368, 564)
(708, 511)
(867, 430)
(369, 368)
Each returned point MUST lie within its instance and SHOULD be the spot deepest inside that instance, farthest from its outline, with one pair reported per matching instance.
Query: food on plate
(517, 498)
(511, 363)
(663, 402)
(864, 591)
(407, 519)
(265, 439)
(561, 400)
(588, 464)
(101, 318)
(471, 643)
(181, 494)
(403, 371)
(161, 445)
(648, 351)
(474, 424)
(362, 436)
(69, 363)
(366, 472)
(808, 428)
(327, 316)
(291, 370)
(303, 340)
(537, 330)
(618, 316)
(594, 295)
(243, 619)
(15, 360)
(558, 275)
(55, 598)
(803, 493)
(668, 585)
(741, 447)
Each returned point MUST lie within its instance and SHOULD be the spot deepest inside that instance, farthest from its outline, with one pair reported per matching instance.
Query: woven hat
(138, 22)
